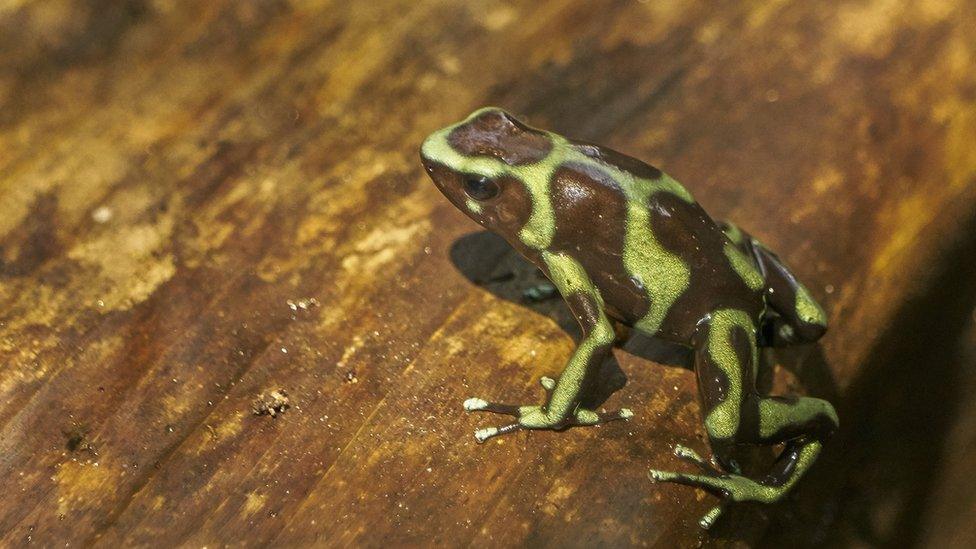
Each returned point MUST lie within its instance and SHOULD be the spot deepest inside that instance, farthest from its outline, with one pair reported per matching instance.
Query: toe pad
(475, 404)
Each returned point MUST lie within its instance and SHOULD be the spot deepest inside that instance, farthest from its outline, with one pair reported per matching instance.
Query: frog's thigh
(725, 363)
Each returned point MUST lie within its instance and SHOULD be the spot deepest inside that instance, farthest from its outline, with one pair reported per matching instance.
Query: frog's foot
(729, 486)
(536, 417)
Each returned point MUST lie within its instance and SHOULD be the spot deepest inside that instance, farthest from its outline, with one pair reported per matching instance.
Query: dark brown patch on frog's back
(496, 133)
(617, 159)
(686, 230)
(590, 212)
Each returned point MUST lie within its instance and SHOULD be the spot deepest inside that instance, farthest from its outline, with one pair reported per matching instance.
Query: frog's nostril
(428, 167)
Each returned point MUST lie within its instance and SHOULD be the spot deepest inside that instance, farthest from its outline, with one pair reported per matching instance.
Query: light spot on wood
(133, 262)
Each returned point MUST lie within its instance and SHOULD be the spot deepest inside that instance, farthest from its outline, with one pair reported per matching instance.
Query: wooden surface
(205, 202)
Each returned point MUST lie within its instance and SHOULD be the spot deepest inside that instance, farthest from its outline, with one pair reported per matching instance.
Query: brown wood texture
(205, 202)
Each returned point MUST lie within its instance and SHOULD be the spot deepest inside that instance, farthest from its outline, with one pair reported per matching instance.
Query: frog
(627, 245)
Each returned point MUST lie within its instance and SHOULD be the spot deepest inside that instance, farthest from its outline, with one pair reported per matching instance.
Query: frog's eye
(480, 187)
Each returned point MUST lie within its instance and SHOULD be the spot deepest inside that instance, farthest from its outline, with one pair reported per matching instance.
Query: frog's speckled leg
(725, 363)
(562, 407)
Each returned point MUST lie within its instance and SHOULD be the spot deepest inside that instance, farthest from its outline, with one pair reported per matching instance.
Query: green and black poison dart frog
(621, 240)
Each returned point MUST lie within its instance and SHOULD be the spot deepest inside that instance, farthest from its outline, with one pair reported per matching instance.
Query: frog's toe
(482, 405)
(584, 417)
(709, 519)
(475, 404)
(529, 417)
(687, 454)
(727, 486)
(482, 435)
(547, 383)
(537, 417)
(708, 482)
(712, 483)
(658, 475)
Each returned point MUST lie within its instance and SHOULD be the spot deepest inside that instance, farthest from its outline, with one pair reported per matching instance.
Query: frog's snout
(427, 165)
(425, 161)
(434, 171)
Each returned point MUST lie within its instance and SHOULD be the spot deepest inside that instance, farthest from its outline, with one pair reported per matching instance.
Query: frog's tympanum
(621, 240)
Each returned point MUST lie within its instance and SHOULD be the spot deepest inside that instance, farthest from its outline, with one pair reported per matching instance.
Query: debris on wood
(302, 304)
(271, 404)
(77, 441)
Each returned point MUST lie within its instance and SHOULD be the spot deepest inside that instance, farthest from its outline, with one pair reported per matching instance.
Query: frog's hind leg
(799, 318)
(725, 363)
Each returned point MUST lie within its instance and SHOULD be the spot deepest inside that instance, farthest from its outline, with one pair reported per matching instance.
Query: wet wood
(203, 203)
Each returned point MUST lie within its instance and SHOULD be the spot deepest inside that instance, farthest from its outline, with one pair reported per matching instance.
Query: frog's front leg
(562, 405)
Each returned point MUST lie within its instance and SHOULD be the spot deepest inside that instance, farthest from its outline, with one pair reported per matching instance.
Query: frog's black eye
(480, 187)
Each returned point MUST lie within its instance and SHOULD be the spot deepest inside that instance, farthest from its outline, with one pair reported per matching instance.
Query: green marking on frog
(777, 414)
(722, 421)
(809, 310)
(473, 205)
(744, 267)
(663, 273)
(569, 276)
(734, 233)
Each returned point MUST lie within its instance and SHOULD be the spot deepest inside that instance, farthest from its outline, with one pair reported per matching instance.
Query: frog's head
(475, 162)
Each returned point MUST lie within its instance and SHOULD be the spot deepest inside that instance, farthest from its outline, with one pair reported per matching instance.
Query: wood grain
(180, 180)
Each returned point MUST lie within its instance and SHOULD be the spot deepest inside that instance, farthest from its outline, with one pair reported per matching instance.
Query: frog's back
(659, 259)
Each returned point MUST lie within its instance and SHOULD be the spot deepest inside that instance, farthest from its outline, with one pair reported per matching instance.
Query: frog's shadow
(489, 262)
